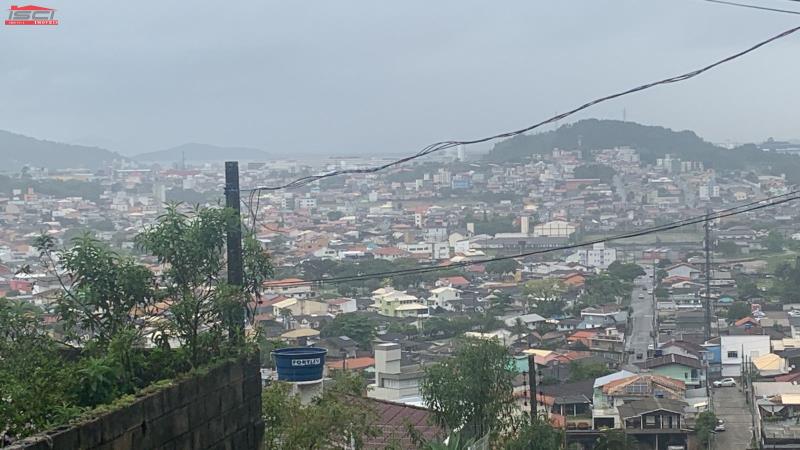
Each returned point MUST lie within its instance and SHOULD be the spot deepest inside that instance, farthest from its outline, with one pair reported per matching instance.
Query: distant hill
(17, 151)
(202, 152)
(652, 142)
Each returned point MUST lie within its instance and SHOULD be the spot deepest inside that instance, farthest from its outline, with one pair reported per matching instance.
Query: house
(299, 307)
(393, 381)
(778, 406)
(734, 348)
(656, 422)
(617, 391)
(602, 316)
(338, 306)
(457, 282)
(530, 320)
(393, 422)
(684, 271)
(393, 303)
(770, 365)
(390, 253)
(678, 367)
(445, 297)
(569, 405)
(289, 287)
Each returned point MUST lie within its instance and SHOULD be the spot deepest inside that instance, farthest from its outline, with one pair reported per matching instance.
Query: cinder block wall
(218, 410)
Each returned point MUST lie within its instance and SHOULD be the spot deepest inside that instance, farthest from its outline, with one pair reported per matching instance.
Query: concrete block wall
(218, 410)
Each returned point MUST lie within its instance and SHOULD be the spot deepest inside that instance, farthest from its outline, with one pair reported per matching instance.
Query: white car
(720, 425)
(794, 313)
(725, 382)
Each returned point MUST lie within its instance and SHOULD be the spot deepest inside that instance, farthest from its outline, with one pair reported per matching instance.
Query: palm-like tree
(519, 329)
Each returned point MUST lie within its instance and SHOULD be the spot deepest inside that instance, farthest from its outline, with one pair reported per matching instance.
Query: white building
(597, 256)
(733, 348)
(555, 228)
(445, 297)
(394, 382)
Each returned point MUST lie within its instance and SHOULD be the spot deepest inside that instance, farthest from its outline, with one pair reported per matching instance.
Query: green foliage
(600, 171)
(746, 287)
(191, 248)
(546, 295)
(579, 371)
(454, 442)
(738, 310)
(444, 327)
(625, 271)
(615, 440)
(503, 266)
(357, 326)
(332, 420)
(775, 241)
(105, 291)
(34, 379)
(786, 285)
(605, 289)
(334, 215)
(317, 268)
(728, 248)
(704, 426)
(652, 142)
(473, 389)
(533, 435)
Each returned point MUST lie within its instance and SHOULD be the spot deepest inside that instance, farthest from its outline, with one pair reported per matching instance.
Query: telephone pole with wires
(234, 233)
(707, 306)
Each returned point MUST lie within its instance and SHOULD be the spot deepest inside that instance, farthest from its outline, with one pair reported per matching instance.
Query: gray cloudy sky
(335, 76)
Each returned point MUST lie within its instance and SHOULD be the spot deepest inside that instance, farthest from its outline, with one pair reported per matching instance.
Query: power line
(443, 145)
(752, 206)
(763, 8)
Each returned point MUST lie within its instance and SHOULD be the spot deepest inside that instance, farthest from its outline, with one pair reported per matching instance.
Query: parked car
(725, 382)
(639, 356)
(720, 425)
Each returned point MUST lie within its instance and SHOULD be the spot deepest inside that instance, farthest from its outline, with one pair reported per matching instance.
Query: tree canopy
(473, 389)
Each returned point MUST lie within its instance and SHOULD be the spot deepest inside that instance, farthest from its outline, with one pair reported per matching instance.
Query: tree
(615, 440)
(546, 295)
(502, 267)
(605, 289)
(105, 291)
(191, 249)
(357, 326)
(738, 310)
(704, 426)
(579, 371)
(473, 389)
(746, 287)
(625, 271)
(534, 435)
(775, 241)
(34, 380)
(600, 171)
(335, 215)
(519, 329)
(335, 419)
(728, 248)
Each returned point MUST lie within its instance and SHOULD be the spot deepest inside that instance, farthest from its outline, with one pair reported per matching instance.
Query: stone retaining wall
(218, 410)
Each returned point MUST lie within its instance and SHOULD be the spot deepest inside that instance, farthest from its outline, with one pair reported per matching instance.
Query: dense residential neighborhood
(612, 335)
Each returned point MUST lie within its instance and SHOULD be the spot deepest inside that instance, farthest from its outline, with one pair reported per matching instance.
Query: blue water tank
(299, 363)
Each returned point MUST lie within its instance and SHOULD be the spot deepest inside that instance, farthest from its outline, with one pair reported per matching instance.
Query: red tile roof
(393, 420)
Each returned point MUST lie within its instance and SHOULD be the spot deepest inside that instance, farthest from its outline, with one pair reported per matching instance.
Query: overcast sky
(336, 76)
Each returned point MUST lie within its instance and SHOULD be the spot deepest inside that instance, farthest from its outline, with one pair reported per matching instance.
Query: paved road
(730, 406)
(639, 338)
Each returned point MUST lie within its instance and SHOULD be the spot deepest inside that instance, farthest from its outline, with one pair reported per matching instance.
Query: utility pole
(707, 225)
(234, 235)
(532, 383)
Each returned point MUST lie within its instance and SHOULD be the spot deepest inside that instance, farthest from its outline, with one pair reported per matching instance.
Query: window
(650, 420)
(733, 354)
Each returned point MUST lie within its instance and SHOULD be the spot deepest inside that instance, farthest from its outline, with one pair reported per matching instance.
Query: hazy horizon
(355, 77)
